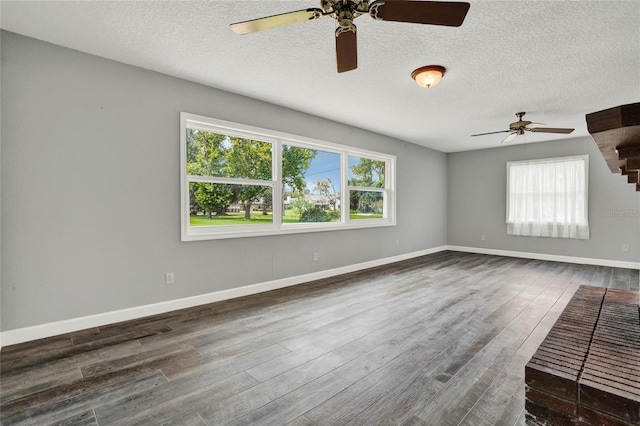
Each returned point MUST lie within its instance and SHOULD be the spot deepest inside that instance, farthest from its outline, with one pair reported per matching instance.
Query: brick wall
(587, 370)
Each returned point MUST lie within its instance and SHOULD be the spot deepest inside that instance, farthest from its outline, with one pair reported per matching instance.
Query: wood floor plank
(294, 404)
(299, 319)
(276, 387)
(362, 394)
(602, 276)
(171, 402)
(438, 339)
(455, 400)
(27, 350)
(621, 279)
(538, 334)
(634, 280)
(393, 407)
(35, 381)
(83, 419)
(228, 366)
(49, 374)
(521, 419)
(307, 320)
(157, 357)
(50, 411)
(400, 401)
(500, 403)
(301, 421)
(290, 360)
(89, 343)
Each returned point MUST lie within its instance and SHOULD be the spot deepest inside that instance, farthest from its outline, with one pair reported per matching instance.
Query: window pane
(366, 172)
(218, 155)
(217, 204)
(548, 198)
(366, 205)
(311, 185)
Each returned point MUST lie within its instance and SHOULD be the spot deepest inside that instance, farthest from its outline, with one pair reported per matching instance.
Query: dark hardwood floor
(437, 340)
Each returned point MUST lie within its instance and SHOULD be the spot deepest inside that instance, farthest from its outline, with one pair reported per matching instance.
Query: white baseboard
(550, 257)
(26, 334)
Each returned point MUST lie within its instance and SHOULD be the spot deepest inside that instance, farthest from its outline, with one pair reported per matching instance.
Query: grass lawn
(359, 216)
(257, 218)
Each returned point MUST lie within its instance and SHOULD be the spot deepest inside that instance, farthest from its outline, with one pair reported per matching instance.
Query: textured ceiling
(557, 60)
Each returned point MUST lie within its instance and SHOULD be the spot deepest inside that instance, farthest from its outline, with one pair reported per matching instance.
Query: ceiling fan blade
(551, 130)
(275, 21)
(451, 14)
(509, 138)
(346, 48)
(492, 133)
(534, 125)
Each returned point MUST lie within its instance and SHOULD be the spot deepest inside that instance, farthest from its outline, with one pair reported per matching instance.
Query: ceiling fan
(518, 128)
(345, 11)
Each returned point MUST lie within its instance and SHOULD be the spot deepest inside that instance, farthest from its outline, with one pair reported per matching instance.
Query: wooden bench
(587, 370)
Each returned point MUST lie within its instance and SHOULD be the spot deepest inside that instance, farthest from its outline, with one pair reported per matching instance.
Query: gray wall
(477, 202)
(90, 190)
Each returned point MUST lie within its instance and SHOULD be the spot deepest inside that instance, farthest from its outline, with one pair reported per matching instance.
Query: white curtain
(548, 198)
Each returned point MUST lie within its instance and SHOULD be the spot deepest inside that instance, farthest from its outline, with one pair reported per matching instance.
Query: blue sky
(324, 165)
(327, 165)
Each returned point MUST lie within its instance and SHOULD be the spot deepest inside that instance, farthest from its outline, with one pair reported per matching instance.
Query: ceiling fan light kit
(518, 128)
(446, 13)
(428, 76)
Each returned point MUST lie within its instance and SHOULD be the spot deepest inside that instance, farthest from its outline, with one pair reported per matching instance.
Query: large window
(548, 198)
(239, 181)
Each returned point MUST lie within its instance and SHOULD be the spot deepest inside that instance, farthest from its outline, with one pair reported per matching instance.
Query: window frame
(512, 223)
(277, 140)
(384, 190)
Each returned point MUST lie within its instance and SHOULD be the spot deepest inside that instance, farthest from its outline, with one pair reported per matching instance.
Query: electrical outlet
(625, 248)
(482, 238)
(315, 257)
(397, 243)
(168, 278)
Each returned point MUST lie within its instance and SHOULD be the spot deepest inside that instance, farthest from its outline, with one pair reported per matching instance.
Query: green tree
(212, 197)
(206, 157)
(301, 204)
(328, 189)
(212, 154)
(315, 214)
(267, 203)
(295, 162)
(366, 201)
(367, 173)
(205, 153)
(249, 159)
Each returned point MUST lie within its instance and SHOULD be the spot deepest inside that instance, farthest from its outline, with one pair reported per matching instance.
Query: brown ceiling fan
(518, 128)
(345, 11)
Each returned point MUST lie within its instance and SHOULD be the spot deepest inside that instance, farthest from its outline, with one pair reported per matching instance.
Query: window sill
(262, 231)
